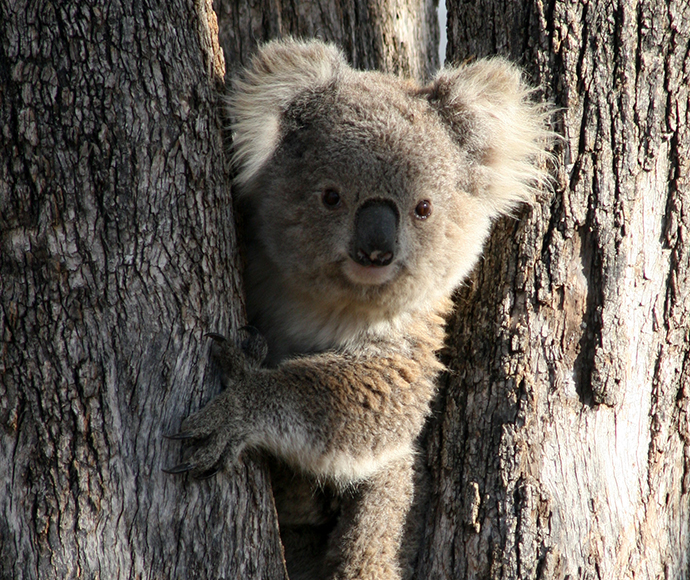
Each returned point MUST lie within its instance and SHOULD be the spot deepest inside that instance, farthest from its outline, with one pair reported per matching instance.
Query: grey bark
(561, 448)
(117, 254)
(398, 36)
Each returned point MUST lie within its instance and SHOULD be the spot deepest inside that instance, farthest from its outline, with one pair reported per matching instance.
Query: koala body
(366, 200)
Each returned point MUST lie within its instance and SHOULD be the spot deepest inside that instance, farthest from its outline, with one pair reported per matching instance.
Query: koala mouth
(371, 275)
(374, 244)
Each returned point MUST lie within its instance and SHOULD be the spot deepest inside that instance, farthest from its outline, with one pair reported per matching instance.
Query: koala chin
(366, 200)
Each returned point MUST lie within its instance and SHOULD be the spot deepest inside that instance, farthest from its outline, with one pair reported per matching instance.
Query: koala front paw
(214, 433)
(236, 360)
(218, 431)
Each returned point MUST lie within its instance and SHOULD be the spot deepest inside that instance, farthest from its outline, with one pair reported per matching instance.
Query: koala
(365, 200)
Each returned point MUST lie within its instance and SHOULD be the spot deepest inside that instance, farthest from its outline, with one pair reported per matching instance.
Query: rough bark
(561, 448)
(393, 35)
(117, 254)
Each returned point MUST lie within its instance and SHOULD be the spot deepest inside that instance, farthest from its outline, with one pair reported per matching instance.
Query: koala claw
(232, 357)
(210, 473)
(229, 358)
(219, 429)
(206, 456)
(219, 338)
(212, 433)
(178, 469)
(181, 436)
(253, 345)
(183, 468)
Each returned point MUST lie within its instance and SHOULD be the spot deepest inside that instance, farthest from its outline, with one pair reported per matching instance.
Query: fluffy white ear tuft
(279, 72)
(488, 109)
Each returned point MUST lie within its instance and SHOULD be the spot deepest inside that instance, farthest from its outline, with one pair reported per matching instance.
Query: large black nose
(376, 232)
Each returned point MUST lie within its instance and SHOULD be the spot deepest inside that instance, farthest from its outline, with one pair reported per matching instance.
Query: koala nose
(376, 232)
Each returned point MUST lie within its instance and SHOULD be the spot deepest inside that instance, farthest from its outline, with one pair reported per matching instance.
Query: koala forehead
(370, 126)
(473, 128)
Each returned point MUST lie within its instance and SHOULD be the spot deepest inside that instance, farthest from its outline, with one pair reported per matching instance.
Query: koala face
(366, 190)
(365, 197)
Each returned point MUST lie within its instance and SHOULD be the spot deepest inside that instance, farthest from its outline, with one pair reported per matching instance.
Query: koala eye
(423, 209)
(330, 198)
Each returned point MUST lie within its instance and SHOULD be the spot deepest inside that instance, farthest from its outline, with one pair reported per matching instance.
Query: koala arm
(336, 415)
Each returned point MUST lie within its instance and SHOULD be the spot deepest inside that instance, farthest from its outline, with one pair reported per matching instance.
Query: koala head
(367, 190)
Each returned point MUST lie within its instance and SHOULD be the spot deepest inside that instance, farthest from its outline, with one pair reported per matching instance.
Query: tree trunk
(398, 36)
(562, 446)
(117, 255)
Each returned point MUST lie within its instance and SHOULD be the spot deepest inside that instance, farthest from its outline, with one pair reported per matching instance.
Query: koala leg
(366, 541)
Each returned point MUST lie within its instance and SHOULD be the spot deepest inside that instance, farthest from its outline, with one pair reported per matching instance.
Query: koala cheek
(311, 249)
(464, 241)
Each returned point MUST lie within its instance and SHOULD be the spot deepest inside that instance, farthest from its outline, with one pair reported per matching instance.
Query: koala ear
(279, 72)
(487, 108)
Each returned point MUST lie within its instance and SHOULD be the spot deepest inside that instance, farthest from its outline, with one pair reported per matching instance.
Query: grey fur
(351, 363)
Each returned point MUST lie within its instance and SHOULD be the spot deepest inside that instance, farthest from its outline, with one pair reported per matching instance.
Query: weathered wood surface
(562, 447)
